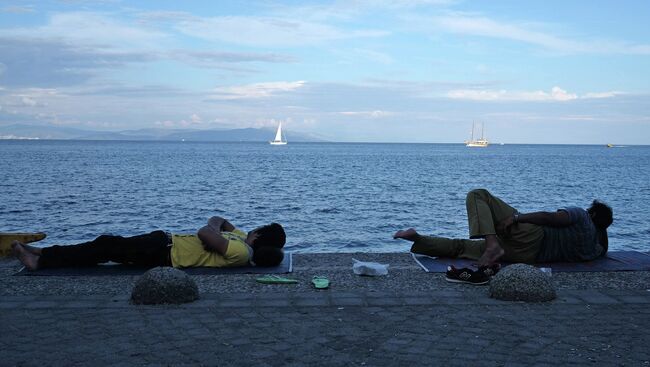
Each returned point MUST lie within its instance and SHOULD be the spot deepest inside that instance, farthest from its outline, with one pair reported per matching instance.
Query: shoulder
(239, 232)
(237, 248)
(575, 213)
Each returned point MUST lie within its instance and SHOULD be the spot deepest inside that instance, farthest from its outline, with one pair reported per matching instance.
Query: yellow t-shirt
(187, 251)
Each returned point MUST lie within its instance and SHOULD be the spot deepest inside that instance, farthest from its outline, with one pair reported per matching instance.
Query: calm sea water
(329, 197)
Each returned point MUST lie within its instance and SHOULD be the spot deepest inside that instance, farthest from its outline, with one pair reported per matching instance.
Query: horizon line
(622, 145)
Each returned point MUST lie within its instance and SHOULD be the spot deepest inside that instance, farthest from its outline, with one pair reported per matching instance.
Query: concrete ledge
(408, 317)
(328, 299)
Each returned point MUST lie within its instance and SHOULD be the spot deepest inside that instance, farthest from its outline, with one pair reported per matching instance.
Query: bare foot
(493, 252)
(32, 249)
(27, 258)
(15, 243)
(407, 234)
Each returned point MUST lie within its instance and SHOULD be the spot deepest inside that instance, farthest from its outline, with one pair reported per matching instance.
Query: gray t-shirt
(576, 242)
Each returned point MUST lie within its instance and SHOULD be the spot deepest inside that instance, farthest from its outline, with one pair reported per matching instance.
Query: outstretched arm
(408, 234)
(559, 218)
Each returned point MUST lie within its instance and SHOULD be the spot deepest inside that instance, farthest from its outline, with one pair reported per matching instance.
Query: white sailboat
(480, 143)
(278, 137)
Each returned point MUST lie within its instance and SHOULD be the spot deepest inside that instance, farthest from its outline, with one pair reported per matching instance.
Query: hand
(504, 225)
(216, 223)
(227, 226)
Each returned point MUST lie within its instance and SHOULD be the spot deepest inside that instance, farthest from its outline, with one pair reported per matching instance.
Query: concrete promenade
(407, 318)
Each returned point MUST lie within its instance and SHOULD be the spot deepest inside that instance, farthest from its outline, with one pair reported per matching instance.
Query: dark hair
(271, 235)
(267, 256)
(601, 214)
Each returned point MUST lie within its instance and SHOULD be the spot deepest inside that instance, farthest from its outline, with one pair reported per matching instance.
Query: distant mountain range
(67, 133)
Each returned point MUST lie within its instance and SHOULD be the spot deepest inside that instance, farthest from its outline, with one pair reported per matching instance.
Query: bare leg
(493, 251)
(26, 258)
(407, 234)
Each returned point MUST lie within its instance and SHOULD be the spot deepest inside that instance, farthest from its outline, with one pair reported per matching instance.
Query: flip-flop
(274, 279)
(320, 282)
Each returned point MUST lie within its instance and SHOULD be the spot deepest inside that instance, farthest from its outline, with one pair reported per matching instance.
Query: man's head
(271, 235)
(267, 256)
(601, 214)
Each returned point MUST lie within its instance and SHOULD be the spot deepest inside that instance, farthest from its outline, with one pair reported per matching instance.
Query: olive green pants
(521, 243)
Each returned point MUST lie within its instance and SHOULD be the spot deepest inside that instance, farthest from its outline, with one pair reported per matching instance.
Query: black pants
(149, 250)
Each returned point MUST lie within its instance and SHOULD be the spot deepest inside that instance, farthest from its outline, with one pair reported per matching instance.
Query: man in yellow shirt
(217, 244)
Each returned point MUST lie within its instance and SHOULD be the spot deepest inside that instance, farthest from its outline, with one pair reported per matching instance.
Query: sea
(330, 197)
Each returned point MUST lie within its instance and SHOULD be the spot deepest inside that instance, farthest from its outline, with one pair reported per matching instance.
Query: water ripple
(329, 197)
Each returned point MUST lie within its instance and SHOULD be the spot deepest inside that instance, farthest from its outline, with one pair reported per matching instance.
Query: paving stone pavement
(329, 328)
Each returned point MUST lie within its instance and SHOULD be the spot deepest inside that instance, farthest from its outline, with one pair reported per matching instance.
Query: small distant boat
(610, 145)
(278, 137)
(479, 143)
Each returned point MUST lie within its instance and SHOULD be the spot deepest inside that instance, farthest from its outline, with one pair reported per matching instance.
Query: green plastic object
(320, 282)
(274, 279)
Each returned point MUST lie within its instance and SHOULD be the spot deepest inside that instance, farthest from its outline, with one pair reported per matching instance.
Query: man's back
(575, 242)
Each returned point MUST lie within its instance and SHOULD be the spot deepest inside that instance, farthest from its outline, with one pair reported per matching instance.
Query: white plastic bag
(369, 268)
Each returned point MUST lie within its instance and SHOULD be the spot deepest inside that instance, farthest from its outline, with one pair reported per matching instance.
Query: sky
(551, 72)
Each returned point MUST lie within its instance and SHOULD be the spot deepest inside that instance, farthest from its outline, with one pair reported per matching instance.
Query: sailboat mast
(472, 139)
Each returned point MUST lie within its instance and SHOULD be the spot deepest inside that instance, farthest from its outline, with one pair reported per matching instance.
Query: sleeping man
(498, 231)
(217, 244)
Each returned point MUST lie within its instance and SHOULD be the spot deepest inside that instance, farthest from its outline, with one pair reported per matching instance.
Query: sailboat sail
(278, 137)
(278, 134)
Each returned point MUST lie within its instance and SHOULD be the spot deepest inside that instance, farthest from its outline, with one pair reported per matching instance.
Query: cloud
(598, 95)
(556, 94)
(18, 9)
(217, 57)
(26, 101)
(578, 118)
(193, 121)
(256, 90)
(130, 91)
(367, 114)
(538, 34)
(271, 122)
(49, 63)
(72, 47)
(196, 119)
(268, 31)
(164, 16)
(28, 97)
(396, 4)
(228, 60)
(92, 29)
(480, 26)
(351, 10)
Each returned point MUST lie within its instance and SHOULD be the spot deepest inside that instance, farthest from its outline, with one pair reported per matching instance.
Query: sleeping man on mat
(568, 235)
(218, 244)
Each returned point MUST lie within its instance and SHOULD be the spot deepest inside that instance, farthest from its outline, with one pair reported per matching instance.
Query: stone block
(164, 285)
(521, 282)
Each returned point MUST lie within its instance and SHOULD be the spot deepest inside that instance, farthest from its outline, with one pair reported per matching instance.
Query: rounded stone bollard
(164, 285)
(521, 282)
